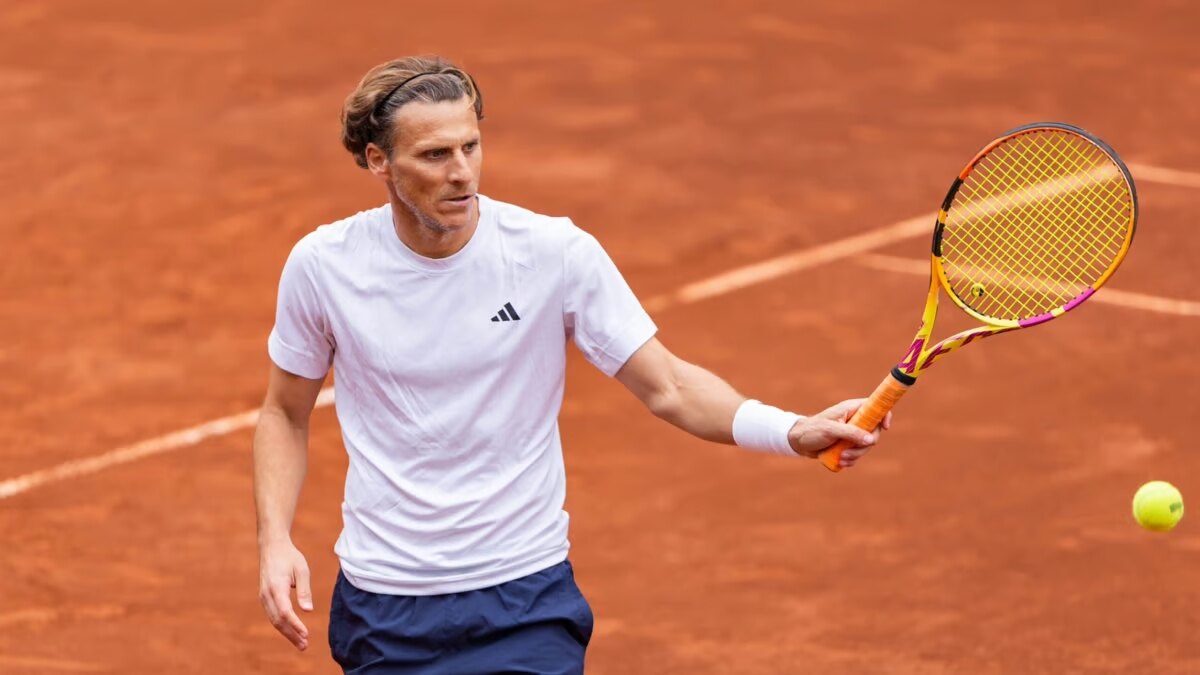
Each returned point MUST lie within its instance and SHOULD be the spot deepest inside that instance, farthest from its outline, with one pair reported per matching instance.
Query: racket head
(1034, 224)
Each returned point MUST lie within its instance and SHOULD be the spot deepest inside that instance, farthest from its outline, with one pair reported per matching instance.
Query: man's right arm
(280, 464)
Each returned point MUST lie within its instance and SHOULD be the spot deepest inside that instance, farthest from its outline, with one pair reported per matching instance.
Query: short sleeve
(601, 311)
(301, 342)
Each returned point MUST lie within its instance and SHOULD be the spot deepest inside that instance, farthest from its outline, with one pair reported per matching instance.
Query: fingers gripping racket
(1033, 226)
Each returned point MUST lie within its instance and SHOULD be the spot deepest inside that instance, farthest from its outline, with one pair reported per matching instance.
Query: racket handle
(868, 417)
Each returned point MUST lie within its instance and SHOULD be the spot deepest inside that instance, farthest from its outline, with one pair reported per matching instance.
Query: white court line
(721, 284)
(1105, 296)
(800, 260)
(154, 446)
(1157, 174)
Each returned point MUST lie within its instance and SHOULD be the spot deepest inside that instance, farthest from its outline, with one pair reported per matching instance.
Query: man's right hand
(812, 435)
(281, 567)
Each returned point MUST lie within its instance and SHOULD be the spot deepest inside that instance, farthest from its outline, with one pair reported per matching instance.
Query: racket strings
(1037, 221)
(1074, 200)
(1013, 257)
(1070, 200)
(1046, 174)
(1061, 272)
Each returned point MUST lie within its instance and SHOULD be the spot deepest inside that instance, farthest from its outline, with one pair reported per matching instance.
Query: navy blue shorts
(536, 624)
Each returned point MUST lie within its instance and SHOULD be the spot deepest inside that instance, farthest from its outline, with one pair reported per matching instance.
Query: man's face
(435, 163)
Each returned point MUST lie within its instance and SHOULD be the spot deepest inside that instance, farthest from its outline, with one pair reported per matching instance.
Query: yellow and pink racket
(1034, 225)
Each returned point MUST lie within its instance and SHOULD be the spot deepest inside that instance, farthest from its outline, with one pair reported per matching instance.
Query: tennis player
(446, 315)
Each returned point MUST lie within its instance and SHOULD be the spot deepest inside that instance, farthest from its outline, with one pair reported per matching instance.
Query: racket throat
(914, 359)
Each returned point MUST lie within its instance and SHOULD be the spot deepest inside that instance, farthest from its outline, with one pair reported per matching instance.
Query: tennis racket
(1032, 227)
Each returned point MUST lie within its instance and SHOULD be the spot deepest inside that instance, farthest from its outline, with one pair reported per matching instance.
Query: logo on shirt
(506, 313)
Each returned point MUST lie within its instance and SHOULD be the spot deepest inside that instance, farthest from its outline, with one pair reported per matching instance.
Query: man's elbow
(666, 402)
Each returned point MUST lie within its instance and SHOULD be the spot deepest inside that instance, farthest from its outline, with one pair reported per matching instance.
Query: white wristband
(764, 428)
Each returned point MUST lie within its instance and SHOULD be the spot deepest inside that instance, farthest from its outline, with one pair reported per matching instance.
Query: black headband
(390, 94)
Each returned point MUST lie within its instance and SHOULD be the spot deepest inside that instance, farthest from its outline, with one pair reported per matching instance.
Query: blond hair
(369, 111)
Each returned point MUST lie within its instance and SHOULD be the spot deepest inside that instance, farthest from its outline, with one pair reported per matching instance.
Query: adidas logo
(506, 313)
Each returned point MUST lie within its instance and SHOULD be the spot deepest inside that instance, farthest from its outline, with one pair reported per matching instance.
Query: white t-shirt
(450, 378)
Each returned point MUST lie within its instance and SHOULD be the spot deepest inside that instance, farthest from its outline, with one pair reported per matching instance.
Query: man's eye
(435, 154)
(470, 147)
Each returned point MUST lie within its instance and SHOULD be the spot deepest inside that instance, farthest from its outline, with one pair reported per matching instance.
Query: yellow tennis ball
(1157, 506)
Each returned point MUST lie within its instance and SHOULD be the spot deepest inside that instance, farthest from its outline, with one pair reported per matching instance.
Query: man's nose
(460, 169)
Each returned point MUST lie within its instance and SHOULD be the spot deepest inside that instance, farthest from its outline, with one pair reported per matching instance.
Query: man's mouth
(460, 200)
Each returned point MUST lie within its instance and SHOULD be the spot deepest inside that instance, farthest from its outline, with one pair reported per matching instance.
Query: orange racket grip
(868, 417)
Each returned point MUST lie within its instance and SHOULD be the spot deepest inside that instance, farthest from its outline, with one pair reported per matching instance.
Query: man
(447, 314)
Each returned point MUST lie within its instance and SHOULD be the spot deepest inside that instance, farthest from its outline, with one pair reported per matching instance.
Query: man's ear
(377, 160)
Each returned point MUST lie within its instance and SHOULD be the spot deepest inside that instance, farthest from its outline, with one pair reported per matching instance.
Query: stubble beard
(425, 219)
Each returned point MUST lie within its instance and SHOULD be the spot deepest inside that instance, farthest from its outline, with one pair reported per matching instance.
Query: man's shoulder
(518, 220)
(361, 224)
(342, 234)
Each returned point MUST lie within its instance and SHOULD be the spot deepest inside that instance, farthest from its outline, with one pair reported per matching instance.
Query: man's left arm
(707, 407)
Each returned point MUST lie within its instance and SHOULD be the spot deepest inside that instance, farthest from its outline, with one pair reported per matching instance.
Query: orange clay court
(160, 159)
